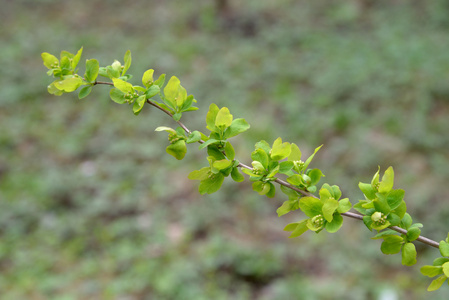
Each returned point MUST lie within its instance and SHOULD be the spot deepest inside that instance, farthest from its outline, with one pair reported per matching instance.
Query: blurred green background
(91, 206)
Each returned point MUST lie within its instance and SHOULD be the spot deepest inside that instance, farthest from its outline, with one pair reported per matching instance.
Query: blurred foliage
(91, 207)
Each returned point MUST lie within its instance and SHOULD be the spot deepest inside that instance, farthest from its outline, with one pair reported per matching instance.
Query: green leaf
(384, 233)
(310, 206)
(401, 209)
(300, 229)
(380, 203)
(309, 160)
(394, 219)
(160, 81)
(330, 205)
(258, 186)
(335, 225)
(344, 205)
(209, 142)
(68, 85)
(177, 116)
(386, 184)
(406, 221)
(368, 190)
(315, 176)
(117, 96)
(174, 93)
(123, 86)
(394, 198)
(431, 271)
(223, 118)
(285, 167)
(295, 179)
(211, 116)
(138, 104)
(84, 92)
(236, 175)
(260, 156)
(50, 61)
(287, 207)
(76, 58)
(200, 174)
(391, 244)
(264, 146)
(295, 154)
(127, 60)
(280, 150)
(367, 221)
(437, 283)
(446, 269)
(229, 150)
(152, 91)
(289, 192)
(413, 234)
(53, 90)
(147, 78)
(272, 190)
(222, 164)
(237, 126)
(194, 137)
(211, 184)
(165, 128)
(92, 68)
(178, 149)
(444, 248)
(408, 254)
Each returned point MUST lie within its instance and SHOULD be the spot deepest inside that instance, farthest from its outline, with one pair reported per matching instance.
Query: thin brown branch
(352, 215)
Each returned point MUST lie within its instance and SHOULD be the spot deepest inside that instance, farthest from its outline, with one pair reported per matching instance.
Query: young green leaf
(295, 154)
(392, 244)
(194, 137)
(117, 96)
(236, 175)
(123, 86)
(297, 228)
(223, 118)
(344, 205)
(437, 283)
(211, 116)
(84, 92)
(330, 205)
(127, 60)
(309, 160)
(147, 78)
(386, 184)
(444, 248)
(50, 61)
(431, 271)
(138, 104)
(287, 207)
(177, 149)
(310, 206)
(76, 58)
(280, 150)
(68, 85)
(92, 68)
(229, 150)
(394, 198)
(408, 254)
(413, 234)
(335, 225)
(237, 126)
(200, 174)
(211, 184)
(368, 190)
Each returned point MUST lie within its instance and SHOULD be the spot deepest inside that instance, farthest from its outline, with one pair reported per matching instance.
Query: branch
(356, 216)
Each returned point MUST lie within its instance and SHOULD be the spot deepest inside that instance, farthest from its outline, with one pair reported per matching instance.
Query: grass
(92, 207)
